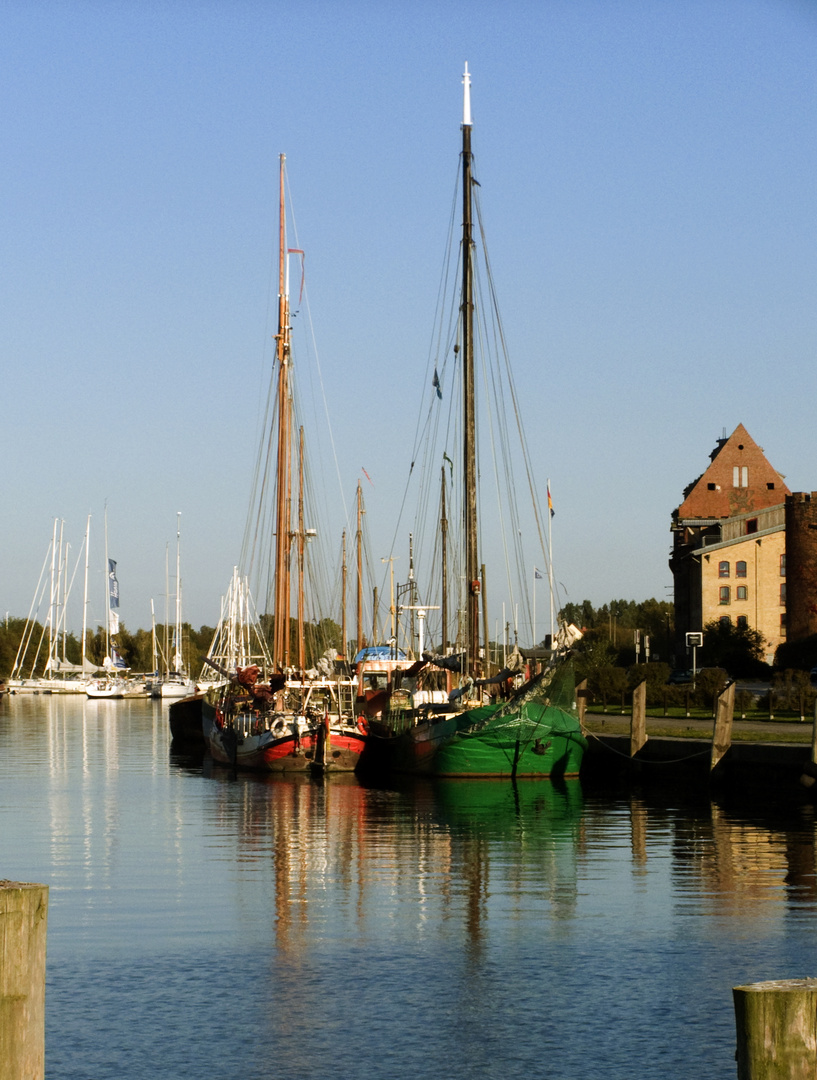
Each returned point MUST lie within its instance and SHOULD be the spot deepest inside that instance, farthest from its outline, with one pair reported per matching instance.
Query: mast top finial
(466, 98)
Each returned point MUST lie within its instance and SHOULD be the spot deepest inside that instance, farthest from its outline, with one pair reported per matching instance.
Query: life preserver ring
(362, 726)
(475, 587)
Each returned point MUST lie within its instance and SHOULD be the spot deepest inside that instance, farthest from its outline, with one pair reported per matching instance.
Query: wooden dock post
(23, 923)
(776, 1025)
(808, 777)
(581, 699)
(722, 732)
(638, 724)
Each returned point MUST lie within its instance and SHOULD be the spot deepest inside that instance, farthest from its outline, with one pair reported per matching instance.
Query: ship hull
(289, 752)
(533, 741)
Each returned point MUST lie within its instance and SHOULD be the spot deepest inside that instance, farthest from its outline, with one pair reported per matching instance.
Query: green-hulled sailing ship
(452, 713)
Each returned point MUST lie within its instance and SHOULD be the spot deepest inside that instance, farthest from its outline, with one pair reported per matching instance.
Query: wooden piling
(638, 724)
(808, 777)
(581, 699)
(722, 733)
(776, 1024)
(23, 923)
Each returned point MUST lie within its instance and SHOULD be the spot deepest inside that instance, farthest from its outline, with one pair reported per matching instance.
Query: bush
(793, 690)
(744, 701)
(708, 684)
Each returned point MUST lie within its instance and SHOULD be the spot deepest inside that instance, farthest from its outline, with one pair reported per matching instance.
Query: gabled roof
(722, 492)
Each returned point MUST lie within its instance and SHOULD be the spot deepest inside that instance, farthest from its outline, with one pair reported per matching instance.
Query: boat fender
(475, 587)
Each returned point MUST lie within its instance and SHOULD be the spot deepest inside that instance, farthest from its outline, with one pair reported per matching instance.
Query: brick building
(728, 557)
(801, 558)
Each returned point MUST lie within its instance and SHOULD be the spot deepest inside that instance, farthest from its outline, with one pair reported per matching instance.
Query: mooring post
(638, 724)
(581, 699)
(776, 1025)
(722, 732)
(23, 923)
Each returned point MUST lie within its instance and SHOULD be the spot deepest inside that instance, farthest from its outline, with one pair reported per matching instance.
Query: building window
(783, 565)
(723, 569)
(751, 525)
(740, 476)
(725, 621)
(724, 594)
(783, 593)
(770, 486)
(743, 622)
(782, 625)
(740, 568)
(742, 592)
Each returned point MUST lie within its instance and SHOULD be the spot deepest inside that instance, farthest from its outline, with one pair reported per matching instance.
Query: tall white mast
(52, 603)
(85, 592)
(177, 658)
(107, 579)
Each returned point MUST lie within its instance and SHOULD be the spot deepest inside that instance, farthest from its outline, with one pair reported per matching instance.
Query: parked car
(677, 677)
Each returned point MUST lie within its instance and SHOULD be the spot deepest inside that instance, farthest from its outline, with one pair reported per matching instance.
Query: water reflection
(485, 911)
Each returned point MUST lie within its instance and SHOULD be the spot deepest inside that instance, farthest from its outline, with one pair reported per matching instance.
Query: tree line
(136, 648)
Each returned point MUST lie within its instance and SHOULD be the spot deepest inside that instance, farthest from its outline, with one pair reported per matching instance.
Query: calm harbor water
(216, 926)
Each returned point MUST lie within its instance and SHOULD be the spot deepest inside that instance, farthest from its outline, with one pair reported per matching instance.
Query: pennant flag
(367, 476)
(113, 585)
(435, 382)
(450, 462)
(537, 574)
(117, 660)
(113, 599)
(550, 502)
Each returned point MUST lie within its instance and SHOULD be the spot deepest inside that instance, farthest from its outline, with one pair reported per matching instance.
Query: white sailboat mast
(85, 595)
(52, 605)
(177, 658)
(153, 638)
(107, 579)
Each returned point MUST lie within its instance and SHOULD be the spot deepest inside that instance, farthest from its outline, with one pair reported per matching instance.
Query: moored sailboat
(493, 724)
(284, 715)
(59, 675)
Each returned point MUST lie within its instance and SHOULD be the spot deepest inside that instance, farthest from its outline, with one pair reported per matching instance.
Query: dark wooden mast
(359, 567)
(344, 647)
(444, 546)
(472, 576)
(301, 547)
(280, 644)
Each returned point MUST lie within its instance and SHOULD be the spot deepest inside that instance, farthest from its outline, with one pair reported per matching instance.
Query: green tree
(738, 649)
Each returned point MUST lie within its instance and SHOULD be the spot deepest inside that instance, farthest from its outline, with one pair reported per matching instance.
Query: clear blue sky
(647, 173)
